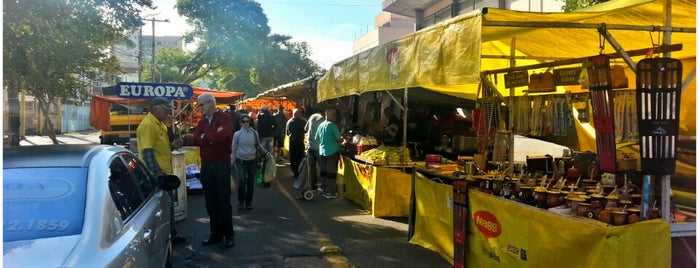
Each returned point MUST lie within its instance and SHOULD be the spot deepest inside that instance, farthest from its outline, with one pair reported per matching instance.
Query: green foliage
(54, 49)
(572, 5)
(283, 62)
(237, 51)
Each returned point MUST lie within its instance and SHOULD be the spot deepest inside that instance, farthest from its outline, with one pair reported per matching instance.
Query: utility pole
(140, 53)
(152, 62)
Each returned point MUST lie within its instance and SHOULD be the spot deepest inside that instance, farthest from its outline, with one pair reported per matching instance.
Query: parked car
(84, 206)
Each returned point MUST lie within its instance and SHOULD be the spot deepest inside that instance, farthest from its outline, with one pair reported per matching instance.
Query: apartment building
(387, 27)
(429, 12)
(137, 46)
(402, 17)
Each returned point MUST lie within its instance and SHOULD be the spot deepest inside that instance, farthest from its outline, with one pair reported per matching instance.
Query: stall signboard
(566, 76)
(516, 79)
(152, 90)
(504, 233)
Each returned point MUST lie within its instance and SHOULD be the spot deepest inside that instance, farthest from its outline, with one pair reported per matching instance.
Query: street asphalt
(282, 231)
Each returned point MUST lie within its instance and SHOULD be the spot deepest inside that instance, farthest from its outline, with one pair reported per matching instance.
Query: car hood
(45, 252)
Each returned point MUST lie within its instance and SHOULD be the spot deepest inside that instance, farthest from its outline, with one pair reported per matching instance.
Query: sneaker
(331, 195)
(240, 207)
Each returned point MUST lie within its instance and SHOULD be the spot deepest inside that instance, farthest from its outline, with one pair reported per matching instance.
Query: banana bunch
(387, 153)
(375, 154)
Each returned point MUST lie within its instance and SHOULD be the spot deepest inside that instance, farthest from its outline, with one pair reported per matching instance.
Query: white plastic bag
(270, 170)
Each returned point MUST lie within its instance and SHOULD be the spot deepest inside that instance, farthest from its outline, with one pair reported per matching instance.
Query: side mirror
(169, 182)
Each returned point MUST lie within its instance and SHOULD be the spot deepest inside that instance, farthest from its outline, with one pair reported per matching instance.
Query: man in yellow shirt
(152, 138)
(154, 146)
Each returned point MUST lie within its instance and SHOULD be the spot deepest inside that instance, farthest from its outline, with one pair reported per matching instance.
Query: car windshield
(43, 202)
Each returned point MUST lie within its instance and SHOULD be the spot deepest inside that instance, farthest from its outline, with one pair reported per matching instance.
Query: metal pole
(152, 59)
(140, 53)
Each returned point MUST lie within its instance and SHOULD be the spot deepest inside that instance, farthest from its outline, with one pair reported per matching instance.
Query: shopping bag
(259, 178)
(299, 181)
(270, 172)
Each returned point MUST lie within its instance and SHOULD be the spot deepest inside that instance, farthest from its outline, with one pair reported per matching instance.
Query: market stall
(490, 231)
(185, 160)
(378, 166)
(441, 58)
(293, 95)
(382, 190)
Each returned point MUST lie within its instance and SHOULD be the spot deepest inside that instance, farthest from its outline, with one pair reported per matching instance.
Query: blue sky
(329, 26)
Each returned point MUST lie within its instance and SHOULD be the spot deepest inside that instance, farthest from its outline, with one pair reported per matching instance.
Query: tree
(53, 50)
(173, 66)
(571, 5)
(237, 52)
(283, 62)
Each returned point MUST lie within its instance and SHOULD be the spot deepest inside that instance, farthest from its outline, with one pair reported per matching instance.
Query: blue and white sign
(152, 90)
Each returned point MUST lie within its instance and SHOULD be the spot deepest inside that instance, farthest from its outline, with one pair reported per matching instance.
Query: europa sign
(487, 224)
(152, 90)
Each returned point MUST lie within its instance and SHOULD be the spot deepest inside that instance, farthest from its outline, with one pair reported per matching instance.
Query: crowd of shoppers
(229, 143)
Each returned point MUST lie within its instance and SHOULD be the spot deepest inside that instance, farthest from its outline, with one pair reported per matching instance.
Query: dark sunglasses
(245, 121)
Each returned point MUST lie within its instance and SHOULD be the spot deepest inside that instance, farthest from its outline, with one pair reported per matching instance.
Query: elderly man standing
(213, 135)
(155, 148)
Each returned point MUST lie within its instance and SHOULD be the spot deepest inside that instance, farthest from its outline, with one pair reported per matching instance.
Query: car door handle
(146, 234)
(159, 214)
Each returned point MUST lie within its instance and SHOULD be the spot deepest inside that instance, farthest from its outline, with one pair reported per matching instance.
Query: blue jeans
(246, 170)
(328, 172)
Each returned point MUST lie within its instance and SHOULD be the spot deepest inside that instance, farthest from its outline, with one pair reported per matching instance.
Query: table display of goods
(598, 198)
(385, 155)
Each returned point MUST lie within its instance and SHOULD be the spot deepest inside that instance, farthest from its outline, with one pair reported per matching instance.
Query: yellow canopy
(450, 56)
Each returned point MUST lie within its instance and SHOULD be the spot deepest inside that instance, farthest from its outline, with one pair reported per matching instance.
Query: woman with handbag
(245, 146)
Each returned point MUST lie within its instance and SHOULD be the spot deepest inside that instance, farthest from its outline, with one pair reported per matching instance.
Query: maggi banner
(504, 233)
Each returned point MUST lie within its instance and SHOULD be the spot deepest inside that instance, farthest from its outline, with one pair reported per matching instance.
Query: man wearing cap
(154, 146)
(214, 136)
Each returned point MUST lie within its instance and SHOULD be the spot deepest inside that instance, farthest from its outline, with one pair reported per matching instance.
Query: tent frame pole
(575, 25)
(608, 36)
(636, 52)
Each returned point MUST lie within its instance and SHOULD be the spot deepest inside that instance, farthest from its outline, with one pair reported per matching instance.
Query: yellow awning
(449, 57)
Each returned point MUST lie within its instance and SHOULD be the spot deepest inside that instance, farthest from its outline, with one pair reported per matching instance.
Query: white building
(401, 17)
(142, 46)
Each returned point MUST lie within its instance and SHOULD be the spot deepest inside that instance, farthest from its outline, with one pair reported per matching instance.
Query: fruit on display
(389, 154)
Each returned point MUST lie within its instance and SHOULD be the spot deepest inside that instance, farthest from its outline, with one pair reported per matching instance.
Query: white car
(84, 206)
